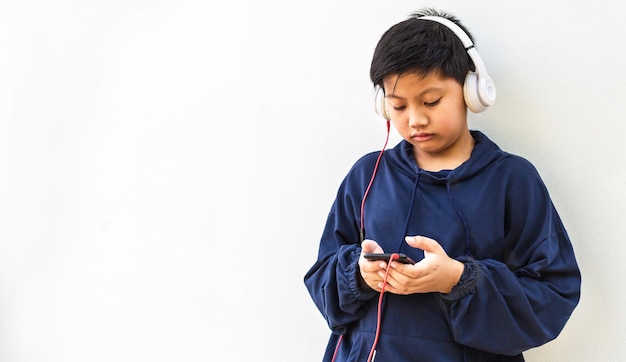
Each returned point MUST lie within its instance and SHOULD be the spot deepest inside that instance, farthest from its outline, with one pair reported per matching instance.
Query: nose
(417, 119)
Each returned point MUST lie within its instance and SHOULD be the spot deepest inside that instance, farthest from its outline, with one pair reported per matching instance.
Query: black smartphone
(402, 258)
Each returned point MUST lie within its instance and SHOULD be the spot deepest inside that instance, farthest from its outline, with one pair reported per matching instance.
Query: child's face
(430, 113)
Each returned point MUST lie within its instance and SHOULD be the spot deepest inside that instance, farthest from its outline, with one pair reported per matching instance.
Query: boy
(495, 272)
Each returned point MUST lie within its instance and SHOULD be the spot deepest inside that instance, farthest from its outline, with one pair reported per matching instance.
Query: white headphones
(479, 90)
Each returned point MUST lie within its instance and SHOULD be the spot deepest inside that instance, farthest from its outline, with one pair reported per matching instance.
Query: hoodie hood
(483, 156)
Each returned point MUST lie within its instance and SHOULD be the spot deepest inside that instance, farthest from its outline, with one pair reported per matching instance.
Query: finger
(394, 277)
(392, 285)
(424, 243)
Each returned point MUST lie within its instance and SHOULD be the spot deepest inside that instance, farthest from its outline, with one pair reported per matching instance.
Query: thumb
(424, 243)
(370, 246)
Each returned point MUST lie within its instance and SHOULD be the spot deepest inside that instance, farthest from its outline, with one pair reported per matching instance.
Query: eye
(432, 104)
(399, 108)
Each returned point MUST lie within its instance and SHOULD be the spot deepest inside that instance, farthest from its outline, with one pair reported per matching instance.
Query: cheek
(398, 125)
(461, 107)
(454, 115)
(451, 123)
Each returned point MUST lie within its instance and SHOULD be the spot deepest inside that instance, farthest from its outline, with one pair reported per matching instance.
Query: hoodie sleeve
(333, 280)
(523, 301)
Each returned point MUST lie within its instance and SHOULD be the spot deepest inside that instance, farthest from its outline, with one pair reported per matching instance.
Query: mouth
(422, 136)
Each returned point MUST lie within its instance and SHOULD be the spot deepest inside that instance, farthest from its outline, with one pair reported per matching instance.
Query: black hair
(421, 47)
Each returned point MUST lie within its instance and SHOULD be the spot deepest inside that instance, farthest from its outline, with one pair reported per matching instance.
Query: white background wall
(166, 167)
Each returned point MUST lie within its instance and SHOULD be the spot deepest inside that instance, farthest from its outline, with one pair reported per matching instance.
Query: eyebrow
(427, 90)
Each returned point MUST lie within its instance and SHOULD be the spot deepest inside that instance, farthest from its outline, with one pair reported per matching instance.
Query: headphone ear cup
(383, 108)
(486, 91)
(471, 93)
(380, 104)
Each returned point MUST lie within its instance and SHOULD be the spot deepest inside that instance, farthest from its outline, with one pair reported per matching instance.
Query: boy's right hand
(370, 269)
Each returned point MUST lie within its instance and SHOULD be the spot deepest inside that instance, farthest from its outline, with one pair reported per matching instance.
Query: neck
(450, 159)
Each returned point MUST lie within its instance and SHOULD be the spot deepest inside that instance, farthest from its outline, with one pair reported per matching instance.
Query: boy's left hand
(437, 272)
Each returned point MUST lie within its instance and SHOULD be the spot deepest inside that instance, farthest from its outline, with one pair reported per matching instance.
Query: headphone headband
(465, 39)
(479, 89)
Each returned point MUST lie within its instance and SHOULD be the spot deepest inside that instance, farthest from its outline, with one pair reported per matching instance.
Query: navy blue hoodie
(493, 213)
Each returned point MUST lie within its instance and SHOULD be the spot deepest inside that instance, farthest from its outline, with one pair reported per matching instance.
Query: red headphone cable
(362, 237)
(337, 347)
(367, 190)
(372, 354)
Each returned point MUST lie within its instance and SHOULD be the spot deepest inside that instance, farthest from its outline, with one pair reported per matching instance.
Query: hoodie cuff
(467, 283)
(357, 285)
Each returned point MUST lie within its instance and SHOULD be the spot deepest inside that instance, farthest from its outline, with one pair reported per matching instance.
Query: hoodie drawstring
(458, 212)
(455, 206)
(408, 214)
